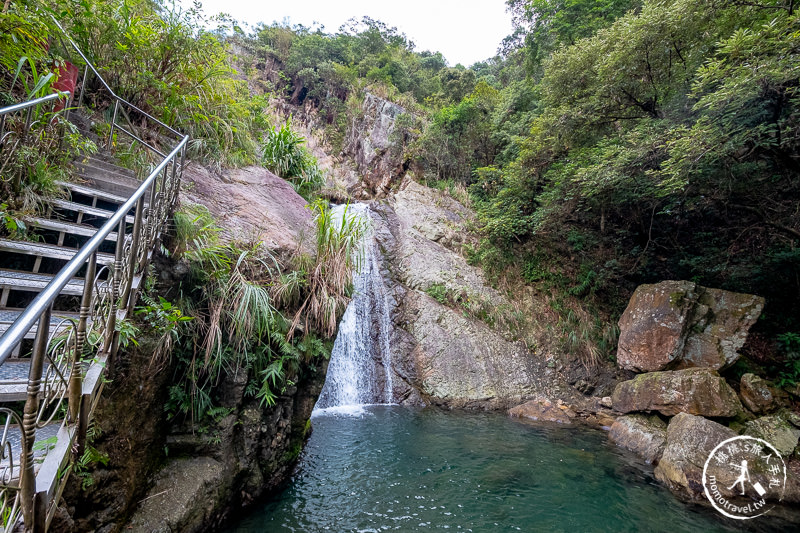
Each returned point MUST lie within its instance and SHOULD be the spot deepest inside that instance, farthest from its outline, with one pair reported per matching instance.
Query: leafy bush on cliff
(284, 155)
(253, 315)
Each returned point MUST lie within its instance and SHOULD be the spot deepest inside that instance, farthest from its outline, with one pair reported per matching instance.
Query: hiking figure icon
(744, 475)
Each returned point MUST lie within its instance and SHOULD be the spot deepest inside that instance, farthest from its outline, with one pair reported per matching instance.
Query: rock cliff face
(162, 476)
(370, 145)
(248, 454)
(442, 355)
(370, 164)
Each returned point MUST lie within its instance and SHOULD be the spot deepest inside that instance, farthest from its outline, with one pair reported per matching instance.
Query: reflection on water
(389, 468)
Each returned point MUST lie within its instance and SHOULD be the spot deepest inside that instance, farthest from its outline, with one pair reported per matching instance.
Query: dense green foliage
(247, 314)
(664, 146)
(153, 54)
(285, 156)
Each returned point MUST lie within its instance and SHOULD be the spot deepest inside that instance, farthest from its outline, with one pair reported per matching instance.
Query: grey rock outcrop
(462, 362)
(181, 483)
(695, 391)
(442, 355)
(679, 324)
(427, 234)
(690, 440)
(643, 435)
(756, 394)
(777, 431)
(369, 143)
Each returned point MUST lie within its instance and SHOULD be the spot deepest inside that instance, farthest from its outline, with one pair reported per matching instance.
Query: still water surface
(398, 469)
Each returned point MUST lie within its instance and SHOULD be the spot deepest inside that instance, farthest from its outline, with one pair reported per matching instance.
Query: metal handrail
(60, 370)
(105, 84)
(33, 312)
(140, 140)
(33, 103)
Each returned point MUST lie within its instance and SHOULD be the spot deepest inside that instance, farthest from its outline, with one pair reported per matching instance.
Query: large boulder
(690, 440)
(644, 435)
(251, 203)
(756, 394)
(718, 328)
(652, 328)
(777, 431)
(695, 391)
(679, 324)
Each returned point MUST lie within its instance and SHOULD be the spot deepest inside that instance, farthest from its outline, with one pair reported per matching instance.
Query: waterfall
(359, 372)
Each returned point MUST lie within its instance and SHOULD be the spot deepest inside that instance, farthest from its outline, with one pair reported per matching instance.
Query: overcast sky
(464, 31)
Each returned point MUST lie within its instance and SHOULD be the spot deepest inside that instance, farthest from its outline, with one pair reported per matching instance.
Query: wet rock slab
(543, 410)
(170, 505)
(643, 435)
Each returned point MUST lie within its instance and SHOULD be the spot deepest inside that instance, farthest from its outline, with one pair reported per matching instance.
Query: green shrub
(284, 155)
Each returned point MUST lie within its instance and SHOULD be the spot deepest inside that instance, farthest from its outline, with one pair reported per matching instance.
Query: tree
(542, 26)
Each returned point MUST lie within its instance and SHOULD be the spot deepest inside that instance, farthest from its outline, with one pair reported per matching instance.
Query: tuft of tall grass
(284, 154)
(329, 271)
(240, 298)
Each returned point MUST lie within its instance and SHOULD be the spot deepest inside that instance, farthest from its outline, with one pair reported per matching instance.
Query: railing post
(76, 377)
(32, 508)
(153, 213)
(111, 325)
(163, 200)
(173, 187)
(183, 156)
(83, 84)
(132, 263)
(113, 123)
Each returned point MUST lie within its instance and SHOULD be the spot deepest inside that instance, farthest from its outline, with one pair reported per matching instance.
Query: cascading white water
(359, 372)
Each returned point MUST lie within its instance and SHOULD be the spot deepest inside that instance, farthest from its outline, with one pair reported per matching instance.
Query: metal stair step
(14, 371)
(113, 185)
(100, 162)
(67, 227)
(93, 192)
(86, 209)
(47, 250)
(15, 440)
(28, 281)
(89, 170)
(8, 316)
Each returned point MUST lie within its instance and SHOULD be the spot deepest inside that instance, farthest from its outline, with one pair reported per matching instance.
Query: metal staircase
(63, 293)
